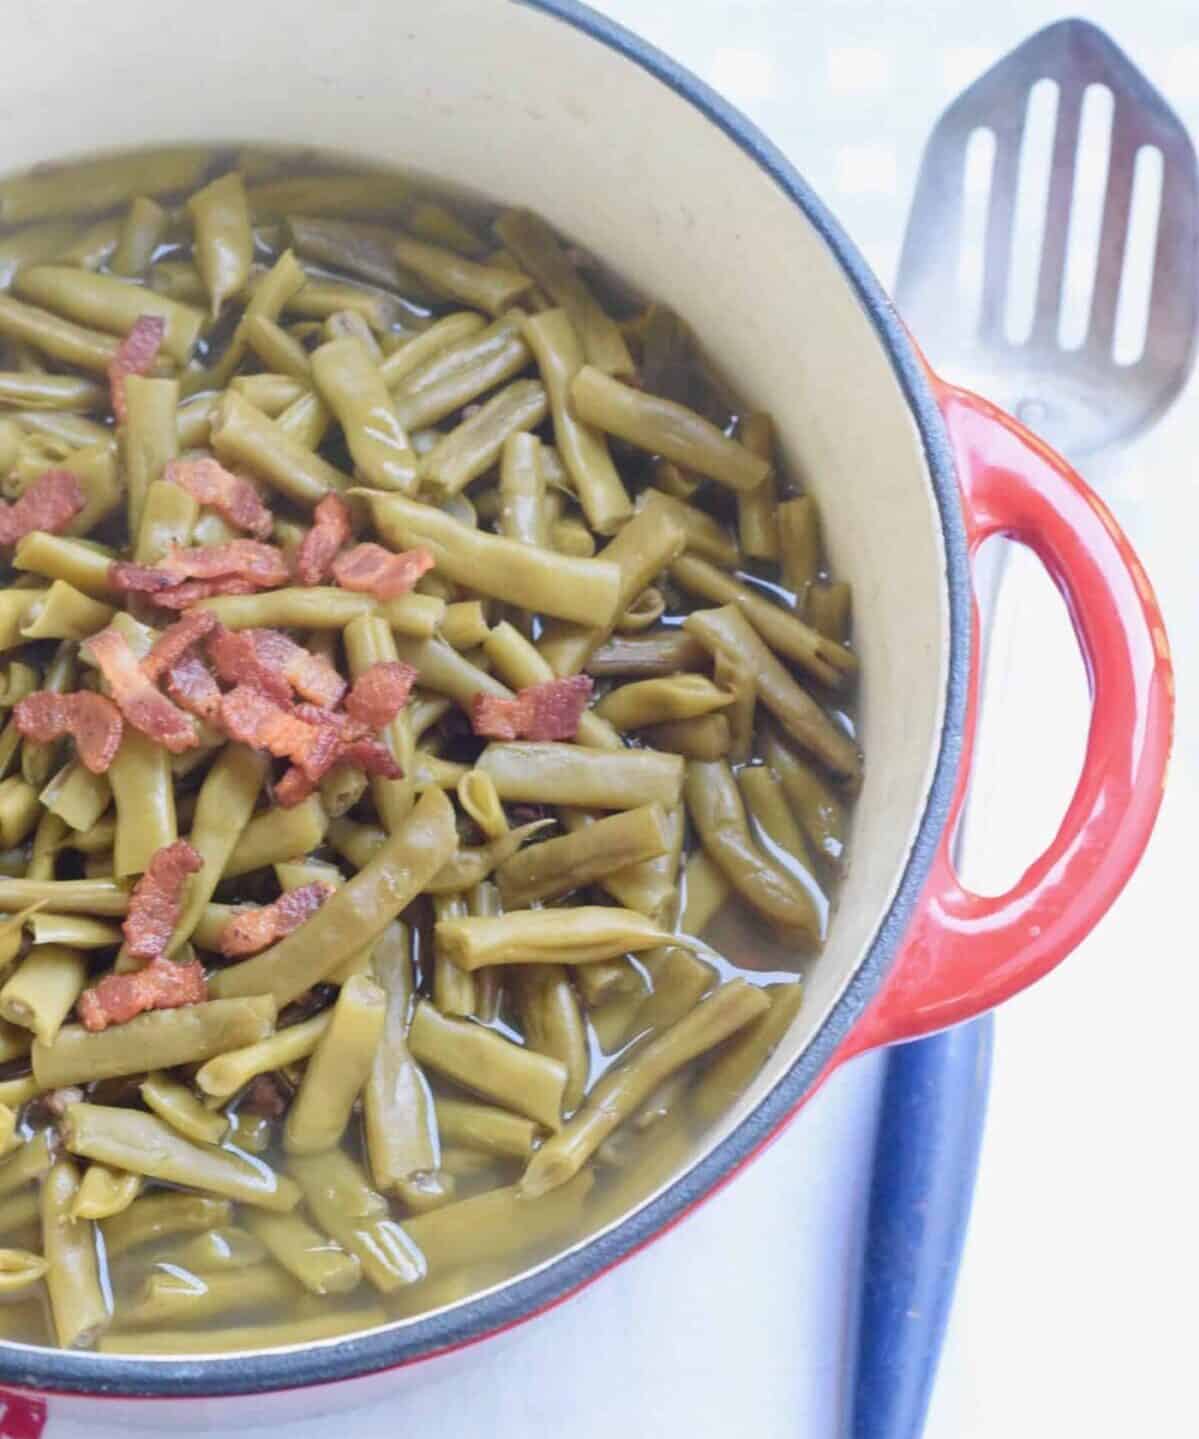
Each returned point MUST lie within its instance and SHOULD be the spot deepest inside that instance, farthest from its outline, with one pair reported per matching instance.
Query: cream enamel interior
(530, 111)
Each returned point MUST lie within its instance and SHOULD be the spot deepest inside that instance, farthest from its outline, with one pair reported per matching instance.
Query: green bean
(169, 514)
(439, 226)
(145, 1145)
(464, 625)
(706, 537)
(483, 1127)
(14, 1042)
(471, 866)
(557, 866)
(520, 664)
(738, 1064)
(31, 245)
(150, 439)
(174, 1297)
(109, 304)
(459, 1162)
(20, 1271)
(474, 445)
(344, 1205)
(278, 351)
(143, 791)
(77, 1299)
(17, 679)
(679, 981)
(549, 772)
(827, 607)
(64, 613)
(338, 1069)
(355, 916)
(315, 608)
(56, 337)
(76, 931)
(10, 745)
(645, 611)
(552, 1023)
(584, 449)
(270, 293)
(363, 250)
(453, 988)
(105, 1192)
(270, 393)
(161, 1216)
(238, 1338)
(176, 1105)
(653, 701)
(232, 1069)
(277, 834)
(767, 804)
(159, 1039)
(66, 896)
(242, 435)
(727, 631)
(642, 549)
(15, 606)
(220, 1250)
(369, 641)
(706, 890)
(323, 194)
(523, 514)
(50, 392)
(484, 899)
(824, 659)
(177, 279)
(352, 386)
(817, 808)
(673, 480)
(454, 376)
(324, 296)
(625, 1088)
(580, 935)
(706, 737)
(483, 287)
(718, 814)
(443, 336)
(799, 543)
(757, 510)
(350, 325)
(224, 244)
(42, 992)
(142, 231)
(320, 1264)
(27, 1165)
(540, 255)
(518, 574)
(486, 1063)
(15, 1092)
(98, 185)
(19, 806)
(79, 563)
(443, 670)
(79, 797)
(501, 1223)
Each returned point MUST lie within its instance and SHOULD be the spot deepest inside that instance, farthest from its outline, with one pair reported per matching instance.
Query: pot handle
(22, 1416)
(965, 952)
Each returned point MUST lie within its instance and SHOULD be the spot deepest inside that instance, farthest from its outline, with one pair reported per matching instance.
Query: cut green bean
(143, 791)
(654, 701)
(352, 386)
(161, 1216)
(443, 335)
(176, 1297)
(757, 510)
(369, 641)
(77, 1299)
(28, 1165)
(19, 810)
(799, 543)
(734, 1069)
(58, 338)
(338, 1069)
(456, 375)
(580, 935)
(142, 231)
(224, 244)
(706, 737)
(706, 890)
(767, 803)
(706, 537)
(242, 435)
(523, 514)
(474, 445)
(320, 1264)
(294, 1333)
(573, 861)
(98, 185)
(65, 896)
(176, 1105)
(231, 1070)
(550, 772)
(817, 808)
(827, 607)
(77, 562)
(150, 439)
(220, 1249)
(484, 287)
(109, 304)
(552, 1023)
(453, 988)
(105, 1192)
(321, 607)
(50, 392)
(483, 1127)
(275, 835)
(64, 613)
(42, 992)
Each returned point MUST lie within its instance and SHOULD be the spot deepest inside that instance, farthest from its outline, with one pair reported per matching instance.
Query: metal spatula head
(1113, 242)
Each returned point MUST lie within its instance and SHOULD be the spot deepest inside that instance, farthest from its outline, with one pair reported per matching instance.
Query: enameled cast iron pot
(547, 104)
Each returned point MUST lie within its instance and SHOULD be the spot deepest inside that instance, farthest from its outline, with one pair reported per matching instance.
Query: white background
(1075, 1311)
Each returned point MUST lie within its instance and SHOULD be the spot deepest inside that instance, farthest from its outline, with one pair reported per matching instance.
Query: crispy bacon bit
(135, 356)
(265, 1096)
(175, 641)
(191, 592)
(234, 655)
(135, 695)
(192, 688)
(232, 496)
(92, 721)
(263, 565)
(309, 675)
(163, 984)
(372, 756)
(50, 503)
(380, 693)
(143, 579)
(157, 900)
(318, 549)
(347, 728)
(293, 789)
(372, 570)
(249, 716)
(547, 711)
(253, 929)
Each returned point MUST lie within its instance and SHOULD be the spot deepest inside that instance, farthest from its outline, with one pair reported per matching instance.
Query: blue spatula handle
(926, 1156)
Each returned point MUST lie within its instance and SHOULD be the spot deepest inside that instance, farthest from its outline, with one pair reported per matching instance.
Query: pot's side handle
(966, 953)
(21, 1416)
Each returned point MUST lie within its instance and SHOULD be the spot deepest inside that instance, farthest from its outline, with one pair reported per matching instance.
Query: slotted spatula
(1082, 401)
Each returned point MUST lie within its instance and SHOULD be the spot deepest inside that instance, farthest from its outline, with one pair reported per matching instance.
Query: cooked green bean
(824, 659)
(321, 607)
(77, 1299)
(274, 835)
(443, 335)
(17, 679)
(161, 1216)
(27, 1165)
(98, 185)
(292, 1333)
(338, 1069)
(817, 808)
(278, 351)
(159, 1039)
(143, 791)
(645, 611)
(519, 664)
(176, 1297)
(679, 981)
(727, 631)
(220, 1250)
(540, 255)
(474, 445)
(109, 304)
(80, 797)
(799, 543)
(357, 1217)
(50, 392)
(535, 579)
(356, 247)
(485, 287)
(552, 1023)
(105, 1192)
(573, 861)
(368, 641)
(757, 510)
(549, 772)
(706, 890)
(827, 607)
(78, 562)
(150, 439)
(625, 1088)
(320, 1264)
(270, 292)
(464, 625)
(31, 245)
(739, 1063)
(453, 988)
(242, 435)
(654, 701)
(169, 515)
(272, 394)
(767, 804)
(706, 537)
(352, 386)
(19, 807)
(14, 1042)
(224, 244)
(142, 231)
(705, 737)
(64, 613)
(573, 936)
(523, 514)
(75, 931)
(20, 1271)
(459, 373)
(486, 1063)
(42, 992)
(65, 896)
(58, 338)
(15, 606)
(232, 1069)
(176, 1105)
(15, 1092)
(483, 1127)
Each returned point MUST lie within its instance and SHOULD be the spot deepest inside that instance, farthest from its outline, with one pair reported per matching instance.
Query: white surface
(1075, 1309)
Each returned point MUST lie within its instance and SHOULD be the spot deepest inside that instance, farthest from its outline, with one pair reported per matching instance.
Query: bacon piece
(318, 549)
(92, 721)
(253, 929)
(232, 496)
(157, 900)
(50, 503)
(347, 729)
(293, 789)
(547, 711)
(370, 569)
(380, 693)
(192, 688)
(135, 356)
(175, 641)
(191, 592)
(161, 985)
(263, 565)
(372, 756)
(309, 675)
(249, 716)
(234, 656)
(135, 695)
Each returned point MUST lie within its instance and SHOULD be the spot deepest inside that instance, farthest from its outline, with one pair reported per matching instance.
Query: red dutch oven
(549, 105)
